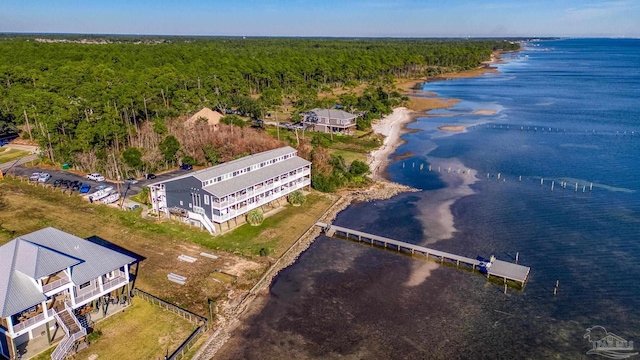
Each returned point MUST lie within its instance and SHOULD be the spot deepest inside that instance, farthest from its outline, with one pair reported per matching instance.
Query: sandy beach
(391, 127)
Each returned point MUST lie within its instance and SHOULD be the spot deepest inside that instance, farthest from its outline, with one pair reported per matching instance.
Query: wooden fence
(201, 322)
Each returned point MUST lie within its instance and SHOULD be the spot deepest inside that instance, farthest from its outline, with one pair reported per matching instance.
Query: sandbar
(452, 128)
(485, 112)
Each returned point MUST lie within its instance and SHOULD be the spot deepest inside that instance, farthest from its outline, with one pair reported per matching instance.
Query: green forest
(112, 106)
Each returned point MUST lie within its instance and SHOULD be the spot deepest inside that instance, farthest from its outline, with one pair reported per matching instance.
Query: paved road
(65, 175)
(7, 166)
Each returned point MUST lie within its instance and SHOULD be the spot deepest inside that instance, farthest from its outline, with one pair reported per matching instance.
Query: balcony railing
(55, 284)
(107, 286)
(29, 322)
(113, 283)
(297, 184)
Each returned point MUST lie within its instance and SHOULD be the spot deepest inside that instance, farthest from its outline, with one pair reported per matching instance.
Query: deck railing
(107, 286)
(55, 284)
(29, 322)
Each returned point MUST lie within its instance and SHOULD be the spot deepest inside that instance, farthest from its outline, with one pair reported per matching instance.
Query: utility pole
(277, 126)
(115, 163)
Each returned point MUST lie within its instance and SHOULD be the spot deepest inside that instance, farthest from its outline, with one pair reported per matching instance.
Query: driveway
(7, 166)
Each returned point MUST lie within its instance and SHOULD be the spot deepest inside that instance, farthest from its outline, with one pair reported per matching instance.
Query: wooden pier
(499, 268)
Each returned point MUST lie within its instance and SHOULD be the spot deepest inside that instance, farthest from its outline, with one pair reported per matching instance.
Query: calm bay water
(345, 300)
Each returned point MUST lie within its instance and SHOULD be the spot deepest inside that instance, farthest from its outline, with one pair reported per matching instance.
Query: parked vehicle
(150, 176)
(75, 186)
(65, 184)
(44, 177)
(186, 167)
(100, 194)
(132, 206)
(131, 181)
(100, 187)
(96, 177)
(57, 183)
(85, 188)
(111, 198)
(34, 177)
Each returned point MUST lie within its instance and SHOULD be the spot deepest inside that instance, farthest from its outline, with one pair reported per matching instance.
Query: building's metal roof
(254, 177)
(334, 114)
(45, 252)
(234, 165)
(17, 290)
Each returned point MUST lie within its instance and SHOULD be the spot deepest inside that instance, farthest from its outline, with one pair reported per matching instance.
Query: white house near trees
(48, 276)
(221, 193)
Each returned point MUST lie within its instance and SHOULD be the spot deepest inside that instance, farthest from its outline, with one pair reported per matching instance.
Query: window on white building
(85, 285)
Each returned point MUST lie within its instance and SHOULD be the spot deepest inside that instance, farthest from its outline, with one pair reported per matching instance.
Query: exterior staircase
(204, 220)
(74, 331)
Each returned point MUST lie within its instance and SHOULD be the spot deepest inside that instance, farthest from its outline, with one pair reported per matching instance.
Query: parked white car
(95, 177)
(44, 177)
(34, 177)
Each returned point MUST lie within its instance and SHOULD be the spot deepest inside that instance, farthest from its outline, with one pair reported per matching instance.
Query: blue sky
(400, 18)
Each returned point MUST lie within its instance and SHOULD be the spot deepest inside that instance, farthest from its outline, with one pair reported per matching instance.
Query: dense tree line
(103, 99)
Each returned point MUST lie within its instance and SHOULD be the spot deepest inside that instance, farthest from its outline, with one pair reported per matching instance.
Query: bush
(188, 160)
(320, 140)
(94, 336)
(143, 196)
(322, 183)
(359, 168)
(297, 198)
(255, 217)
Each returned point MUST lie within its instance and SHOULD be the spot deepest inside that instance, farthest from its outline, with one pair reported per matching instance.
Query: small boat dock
(498, 268)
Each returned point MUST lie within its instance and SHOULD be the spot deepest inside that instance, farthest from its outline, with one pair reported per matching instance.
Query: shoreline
(233, 313)
(392, 127)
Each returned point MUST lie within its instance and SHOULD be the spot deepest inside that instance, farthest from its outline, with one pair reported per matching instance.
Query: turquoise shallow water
(567, 112)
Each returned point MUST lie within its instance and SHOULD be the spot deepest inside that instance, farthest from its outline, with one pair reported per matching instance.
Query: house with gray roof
(211, 197)
(46, 278)
(329, 120)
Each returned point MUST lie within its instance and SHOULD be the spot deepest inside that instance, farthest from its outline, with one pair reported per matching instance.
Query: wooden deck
(499, 268)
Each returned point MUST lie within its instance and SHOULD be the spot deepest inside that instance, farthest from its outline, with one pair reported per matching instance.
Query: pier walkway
(499, 268)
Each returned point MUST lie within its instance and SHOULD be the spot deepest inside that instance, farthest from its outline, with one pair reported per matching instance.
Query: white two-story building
(45, 277)
(221, 193)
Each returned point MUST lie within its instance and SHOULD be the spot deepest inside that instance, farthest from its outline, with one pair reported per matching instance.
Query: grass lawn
(349, 155)
(278, 232)
(25, 208)
(7, 154)
(143, 331)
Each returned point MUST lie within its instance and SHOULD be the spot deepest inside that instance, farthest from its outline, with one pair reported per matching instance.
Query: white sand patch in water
(435, 209)
(420, 271)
